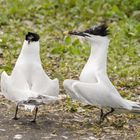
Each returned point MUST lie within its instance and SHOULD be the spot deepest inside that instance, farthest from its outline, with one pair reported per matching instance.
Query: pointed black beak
(83, 34)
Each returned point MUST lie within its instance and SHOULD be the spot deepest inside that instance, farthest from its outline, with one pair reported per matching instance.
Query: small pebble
(2, 130)
(18, 136)
(65, 137)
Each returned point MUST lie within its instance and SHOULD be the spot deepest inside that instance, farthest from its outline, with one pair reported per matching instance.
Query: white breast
(88, 74)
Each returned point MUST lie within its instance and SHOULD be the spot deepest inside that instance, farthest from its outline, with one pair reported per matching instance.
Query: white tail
(135, 106)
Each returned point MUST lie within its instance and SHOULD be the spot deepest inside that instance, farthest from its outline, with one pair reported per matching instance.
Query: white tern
(28, 83)
(94, 86)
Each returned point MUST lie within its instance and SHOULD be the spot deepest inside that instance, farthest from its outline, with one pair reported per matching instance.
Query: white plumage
(94, 86)
(28, 81)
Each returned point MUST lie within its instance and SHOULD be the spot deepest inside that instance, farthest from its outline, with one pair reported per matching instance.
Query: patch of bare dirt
(54, 122)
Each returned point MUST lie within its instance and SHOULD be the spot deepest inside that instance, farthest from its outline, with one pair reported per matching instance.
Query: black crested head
(30, 37)
(101, 30)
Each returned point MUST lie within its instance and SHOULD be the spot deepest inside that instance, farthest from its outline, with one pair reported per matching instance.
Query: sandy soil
(55, 122)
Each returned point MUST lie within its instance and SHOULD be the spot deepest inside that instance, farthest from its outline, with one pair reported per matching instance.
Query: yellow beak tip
(66, 32)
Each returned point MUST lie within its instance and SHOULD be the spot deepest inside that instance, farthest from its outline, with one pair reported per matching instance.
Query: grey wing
(42, 84)
(13, 89)
(74, 94)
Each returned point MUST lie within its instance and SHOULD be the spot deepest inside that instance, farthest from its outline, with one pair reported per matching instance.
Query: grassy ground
(50, 19)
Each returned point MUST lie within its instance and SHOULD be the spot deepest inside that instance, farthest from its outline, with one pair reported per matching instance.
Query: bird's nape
(100, 30)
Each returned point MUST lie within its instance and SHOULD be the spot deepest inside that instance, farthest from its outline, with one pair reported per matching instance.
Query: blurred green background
(64, 57)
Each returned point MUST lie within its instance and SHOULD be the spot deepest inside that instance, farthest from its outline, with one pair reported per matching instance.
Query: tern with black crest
(94, 87)
(28, 83)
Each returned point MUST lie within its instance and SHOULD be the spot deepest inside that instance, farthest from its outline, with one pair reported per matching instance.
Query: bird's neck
(30, 52)
(98, 55)
(96, 62)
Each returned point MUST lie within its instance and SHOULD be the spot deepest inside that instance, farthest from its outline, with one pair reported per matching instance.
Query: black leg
(106, 114)
(36, 110)
(15, 117)
(101, 115)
